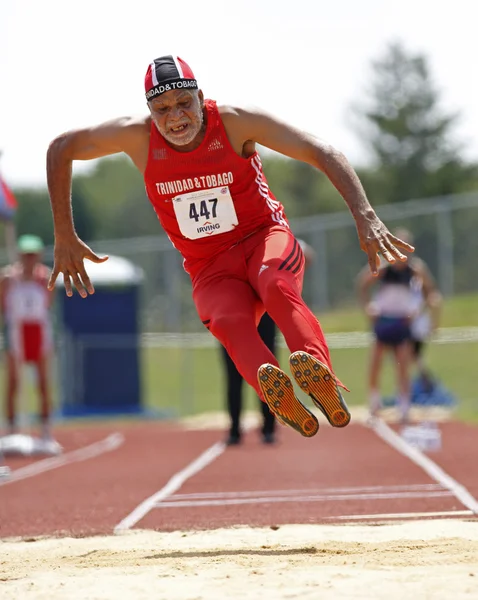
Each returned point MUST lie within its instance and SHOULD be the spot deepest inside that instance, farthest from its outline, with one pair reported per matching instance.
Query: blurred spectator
(234, 384)
(404, 312)
(25, 304)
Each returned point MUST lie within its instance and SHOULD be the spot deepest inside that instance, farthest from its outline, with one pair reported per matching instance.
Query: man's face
(178, 115)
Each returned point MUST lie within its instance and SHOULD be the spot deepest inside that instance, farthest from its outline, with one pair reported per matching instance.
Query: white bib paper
(26, 301)
(205, 212)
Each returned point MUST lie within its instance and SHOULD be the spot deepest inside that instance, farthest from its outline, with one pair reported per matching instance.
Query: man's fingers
(401, 244)
(69, 260)
(396, 252)
(79, 286)
(86, 280)
(53, 278)
(387, 255)
(95, 258)
(373, 261)
(67, 283)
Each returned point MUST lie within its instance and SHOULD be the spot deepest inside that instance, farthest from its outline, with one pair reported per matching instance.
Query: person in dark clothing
(267, 331)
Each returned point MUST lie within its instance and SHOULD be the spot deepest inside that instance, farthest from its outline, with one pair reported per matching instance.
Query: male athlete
(204, 179)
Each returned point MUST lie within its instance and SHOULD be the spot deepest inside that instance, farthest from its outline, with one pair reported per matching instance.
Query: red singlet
(208, 199)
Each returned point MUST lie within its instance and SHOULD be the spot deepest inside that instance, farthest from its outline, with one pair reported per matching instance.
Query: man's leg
(41, 367)
(234, 386)
(228, 308)
(267, 330)
(275, 269)
(11, 381)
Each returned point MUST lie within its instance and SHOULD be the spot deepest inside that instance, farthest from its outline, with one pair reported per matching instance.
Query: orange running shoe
(317, 380)
(279, 395)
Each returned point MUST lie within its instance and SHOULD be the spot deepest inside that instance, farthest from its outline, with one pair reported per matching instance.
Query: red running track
(339, 475)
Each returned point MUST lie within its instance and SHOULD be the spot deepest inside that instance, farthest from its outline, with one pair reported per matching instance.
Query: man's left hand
(376, 239)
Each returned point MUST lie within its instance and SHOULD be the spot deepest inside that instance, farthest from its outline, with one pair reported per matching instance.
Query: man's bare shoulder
(236, 113)
(134, 124)
(228, 112)
(129, 134)
(119, 128)
(240, 124)
(140, 121)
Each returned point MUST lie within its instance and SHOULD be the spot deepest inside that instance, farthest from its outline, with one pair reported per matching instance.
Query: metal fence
(446, 237)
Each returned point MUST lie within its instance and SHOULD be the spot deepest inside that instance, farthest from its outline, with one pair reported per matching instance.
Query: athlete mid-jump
(204, 177)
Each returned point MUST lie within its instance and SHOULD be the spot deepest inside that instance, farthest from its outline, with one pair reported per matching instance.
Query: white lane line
(110, 443)
(424, 487)
(172, 486)
(417, 515)
(426, 463)
(313, 498)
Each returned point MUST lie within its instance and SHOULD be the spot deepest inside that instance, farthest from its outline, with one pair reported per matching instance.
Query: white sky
(66, 64)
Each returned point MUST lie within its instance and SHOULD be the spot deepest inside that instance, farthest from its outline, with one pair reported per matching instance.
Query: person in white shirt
(25, 303)
(403, 312)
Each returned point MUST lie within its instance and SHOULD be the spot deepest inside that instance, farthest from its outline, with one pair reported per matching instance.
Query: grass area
(192, 381)
(458, 311)
(186, 381)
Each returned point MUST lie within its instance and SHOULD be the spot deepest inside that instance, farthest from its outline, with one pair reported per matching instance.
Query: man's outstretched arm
(268, 131)
(119, 135)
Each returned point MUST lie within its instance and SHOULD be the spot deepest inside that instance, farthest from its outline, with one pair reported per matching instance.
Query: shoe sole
(316, 379)
(278, 392)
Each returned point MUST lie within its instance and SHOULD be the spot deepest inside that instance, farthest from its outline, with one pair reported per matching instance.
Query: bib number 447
(207, 209)
(205, 212)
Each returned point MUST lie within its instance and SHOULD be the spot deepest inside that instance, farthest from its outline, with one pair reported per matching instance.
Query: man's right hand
(69, 255)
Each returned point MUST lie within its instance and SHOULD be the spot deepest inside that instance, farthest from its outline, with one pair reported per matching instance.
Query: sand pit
(421, 559)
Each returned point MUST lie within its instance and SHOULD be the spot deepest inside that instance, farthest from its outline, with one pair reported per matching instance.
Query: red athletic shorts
(30, 341)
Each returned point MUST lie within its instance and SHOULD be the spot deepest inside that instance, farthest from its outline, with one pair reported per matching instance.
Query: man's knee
(279, 285)
(224, 325)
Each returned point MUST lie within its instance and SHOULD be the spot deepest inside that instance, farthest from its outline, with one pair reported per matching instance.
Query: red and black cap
(168, 73)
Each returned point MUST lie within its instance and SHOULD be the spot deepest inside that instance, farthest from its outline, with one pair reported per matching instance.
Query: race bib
(27, 301)
(205, 213)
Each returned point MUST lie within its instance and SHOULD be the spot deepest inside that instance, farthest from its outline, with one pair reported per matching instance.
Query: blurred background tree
(410, 138)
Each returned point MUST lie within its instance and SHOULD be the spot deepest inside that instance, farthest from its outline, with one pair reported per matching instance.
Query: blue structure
(100, 343)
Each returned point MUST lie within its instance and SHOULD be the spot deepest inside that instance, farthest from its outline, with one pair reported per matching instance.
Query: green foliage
(302, 189)
(115, 197)
(167, 390)
(204, 391)
(410, 137)
(34, 214)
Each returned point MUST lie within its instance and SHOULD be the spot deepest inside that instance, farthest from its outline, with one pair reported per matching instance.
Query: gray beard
(194, 128)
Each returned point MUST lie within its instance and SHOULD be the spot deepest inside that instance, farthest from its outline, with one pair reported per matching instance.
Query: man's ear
(201, 98)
